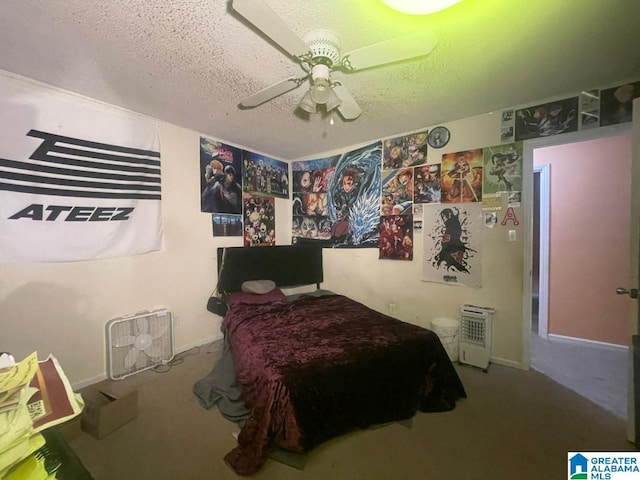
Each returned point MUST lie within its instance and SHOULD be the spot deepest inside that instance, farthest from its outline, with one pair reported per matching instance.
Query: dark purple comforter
(318, 367)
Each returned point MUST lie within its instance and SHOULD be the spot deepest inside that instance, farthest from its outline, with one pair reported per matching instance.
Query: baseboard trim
(614, 346)
(507, 363)
(79, 385)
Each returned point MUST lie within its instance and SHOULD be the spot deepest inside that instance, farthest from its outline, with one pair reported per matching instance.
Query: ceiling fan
(319, 53)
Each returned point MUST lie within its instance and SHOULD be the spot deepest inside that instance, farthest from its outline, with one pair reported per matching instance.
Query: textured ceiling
(191, 63)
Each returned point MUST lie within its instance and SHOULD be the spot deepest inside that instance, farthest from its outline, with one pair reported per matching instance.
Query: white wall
(63, 308)
(359, 273)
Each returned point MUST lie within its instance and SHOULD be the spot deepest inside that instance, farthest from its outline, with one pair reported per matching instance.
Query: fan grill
(139, 342)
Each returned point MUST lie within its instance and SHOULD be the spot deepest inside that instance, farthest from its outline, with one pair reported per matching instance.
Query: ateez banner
(78, 180)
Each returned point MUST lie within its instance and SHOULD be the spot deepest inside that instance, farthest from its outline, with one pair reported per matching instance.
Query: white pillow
(258, 286)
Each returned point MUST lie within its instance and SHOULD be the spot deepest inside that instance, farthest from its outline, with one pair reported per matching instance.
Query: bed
(300, 370)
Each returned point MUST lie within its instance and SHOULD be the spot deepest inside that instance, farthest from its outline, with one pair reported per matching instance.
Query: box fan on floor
(139, 342)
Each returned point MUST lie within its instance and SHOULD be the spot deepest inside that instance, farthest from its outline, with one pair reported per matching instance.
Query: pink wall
(589, 238)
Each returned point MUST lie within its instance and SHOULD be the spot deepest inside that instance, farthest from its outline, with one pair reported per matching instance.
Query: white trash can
(448, 330)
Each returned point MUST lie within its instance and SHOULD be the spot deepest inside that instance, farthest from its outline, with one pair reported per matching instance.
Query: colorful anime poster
(396, 237)
(547, 119)
(461, 176)
(220, 189)
(264, 175)
(405, 151)
(336, 200)
(616, 104)
(397, 192)
(226, 225)
(453, 237)
(502, 168)
(426, 184)
(259, 221)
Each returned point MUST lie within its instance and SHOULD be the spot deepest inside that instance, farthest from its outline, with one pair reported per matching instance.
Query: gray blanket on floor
(219, 388)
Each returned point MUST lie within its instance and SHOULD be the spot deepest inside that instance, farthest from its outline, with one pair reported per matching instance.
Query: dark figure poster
(502, 168)
(453, 244)
(264, 175)
(259, 221)
(547, 119)
(220, 166)
(396, 237)
(461, 176)
(346, 211)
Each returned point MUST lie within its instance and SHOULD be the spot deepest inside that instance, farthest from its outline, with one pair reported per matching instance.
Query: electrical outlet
(393, 308)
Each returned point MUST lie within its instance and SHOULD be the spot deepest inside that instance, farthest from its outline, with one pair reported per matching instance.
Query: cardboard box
(70, 429)
(106, 411)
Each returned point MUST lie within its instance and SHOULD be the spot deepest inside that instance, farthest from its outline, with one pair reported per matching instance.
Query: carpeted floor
(514, 424)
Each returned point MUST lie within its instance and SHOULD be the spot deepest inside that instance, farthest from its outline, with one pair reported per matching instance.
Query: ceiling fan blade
(349, 109)
(272, 91)
(400, 48)
(268, 22)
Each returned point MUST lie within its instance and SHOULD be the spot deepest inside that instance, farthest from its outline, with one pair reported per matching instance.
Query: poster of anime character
(461, 176)
(547, 119)
(226, 225)
(396, 237)
(453, 237)
(220, 189)
(405, 151)
(259, 221)
(264, 175)
(616, 104)
(426, 188)
(397, 192)
(351, 184)
(502, 168)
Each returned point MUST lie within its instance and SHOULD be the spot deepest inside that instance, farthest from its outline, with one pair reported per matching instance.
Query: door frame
(543, 247)
(528, 148)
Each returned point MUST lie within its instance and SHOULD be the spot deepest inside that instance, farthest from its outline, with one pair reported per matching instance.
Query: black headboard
(288, 266)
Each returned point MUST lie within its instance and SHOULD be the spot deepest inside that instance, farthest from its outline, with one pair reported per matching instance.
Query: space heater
(475, 335)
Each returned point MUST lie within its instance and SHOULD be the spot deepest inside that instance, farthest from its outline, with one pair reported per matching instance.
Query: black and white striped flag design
(78, 180)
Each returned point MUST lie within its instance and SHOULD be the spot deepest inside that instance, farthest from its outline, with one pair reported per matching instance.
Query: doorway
(566, 344)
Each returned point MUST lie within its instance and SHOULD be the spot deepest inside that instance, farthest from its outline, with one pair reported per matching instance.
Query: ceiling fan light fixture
(321, 91)
(307, 104)
(419, 7)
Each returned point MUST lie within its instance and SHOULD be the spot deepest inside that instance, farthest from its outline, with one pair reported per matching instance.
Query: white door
(634, 281)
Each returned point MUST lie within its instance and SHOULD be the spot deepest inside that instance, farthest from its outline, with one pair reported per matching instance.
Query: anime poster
(461, 177)
(453, 237)
(226, 225)
(345, 210)
(405, 151)
(264, 175)
(426, 188)
(259, 221)
(397, 192)
(396, 237)
(616, 104)
(502, 168)
(547, 119)
(220, 190)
